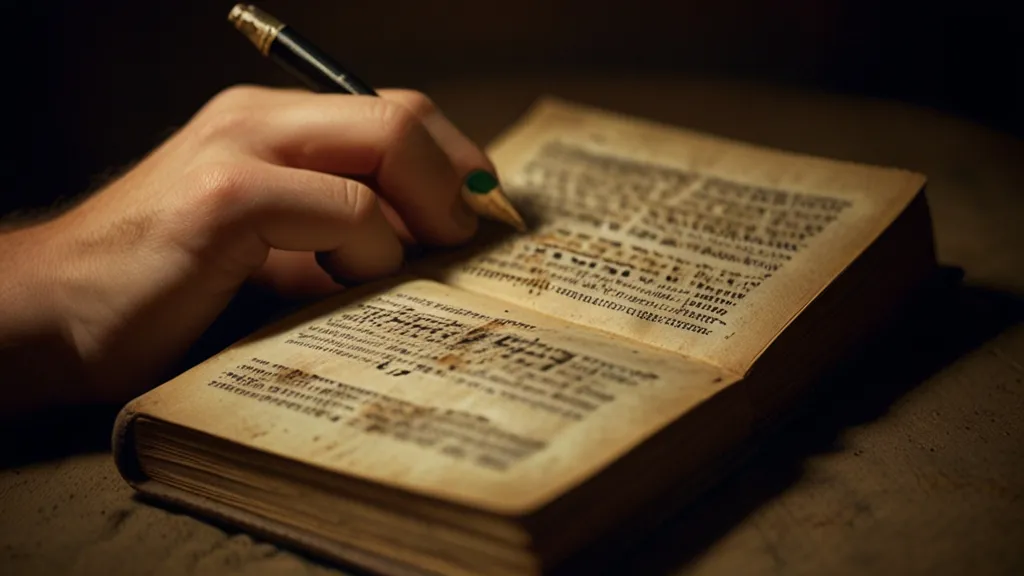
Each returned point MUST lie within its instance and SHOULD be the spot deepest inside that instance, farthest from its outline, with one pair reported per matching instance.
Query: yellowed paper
(437, 391)
(693, 244)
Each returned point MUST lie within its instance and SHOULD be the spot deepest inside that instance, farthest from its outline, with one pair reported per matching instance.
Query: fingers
(295, 275)
(396, 222)
(363, 136)
(300, 210)
(469, 160)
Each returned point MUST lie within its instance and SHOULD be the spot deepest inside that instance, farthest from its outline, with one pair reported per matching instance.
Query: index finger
(475, 169)
(360, 136)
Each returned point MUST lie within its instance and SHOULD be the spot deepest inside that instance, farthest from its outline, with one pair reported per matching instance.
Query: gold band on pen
(256, 25)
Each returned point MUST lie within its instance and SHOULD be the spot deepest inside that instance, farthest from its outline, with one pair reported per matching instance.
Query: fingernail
(481, 182)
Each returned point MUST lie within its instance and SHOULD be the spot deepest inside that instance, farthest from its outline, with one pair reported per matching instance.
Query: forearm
(101, 301)
(39, 365)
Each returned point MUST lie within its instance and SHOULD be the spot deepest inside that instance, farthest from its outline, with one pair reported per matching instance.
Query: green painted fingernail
(481, 182)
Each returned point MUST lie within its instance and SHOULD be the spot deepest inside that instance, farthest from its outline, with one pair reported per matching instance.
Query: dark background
(92, 86)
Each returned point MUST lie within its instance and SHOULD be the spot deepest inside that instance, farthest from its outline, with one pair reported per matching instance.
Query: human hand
(250, 188)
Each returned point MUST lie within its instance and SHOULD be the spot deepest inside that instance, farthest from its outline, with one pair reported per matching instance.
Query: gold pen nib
(259, 27)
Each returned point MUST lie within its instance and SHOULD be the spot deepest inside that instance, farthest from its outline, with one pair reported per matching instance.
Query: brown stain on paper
(451, 361)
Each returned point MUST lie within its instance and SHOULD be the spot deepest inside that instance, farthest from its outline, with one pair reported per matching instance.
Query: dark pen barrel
(315, 68)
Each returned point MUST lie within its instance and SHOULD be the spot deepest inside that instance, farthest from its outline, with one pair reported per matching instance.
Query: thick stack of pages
(505, 406)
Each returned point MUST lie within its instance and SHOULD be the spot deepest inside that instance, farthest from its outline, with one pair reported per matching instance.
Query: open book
(503, 407)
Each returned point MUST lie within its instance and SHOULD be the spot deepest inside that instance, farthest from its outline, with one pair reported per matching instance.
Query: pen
(282, 44)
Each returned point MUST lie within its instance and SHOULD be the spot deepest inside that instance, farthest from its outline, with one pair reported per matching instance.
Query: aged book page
(683, 241)
(424, 387)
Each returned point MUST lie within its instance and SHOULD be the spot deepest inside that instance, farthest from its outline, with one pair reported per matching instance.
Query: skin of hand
(296, 190)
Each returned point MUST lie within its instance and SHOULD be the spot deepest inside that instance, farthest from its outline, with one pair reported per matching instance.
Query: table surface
(911, 462)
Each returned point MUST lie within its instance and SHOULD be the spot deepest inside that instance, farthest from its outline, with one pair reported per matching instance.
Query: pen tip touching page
(496, 206)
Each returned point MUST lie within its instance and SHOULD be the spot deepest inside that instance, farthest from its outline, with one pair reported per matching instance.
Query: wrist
(40, 362)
